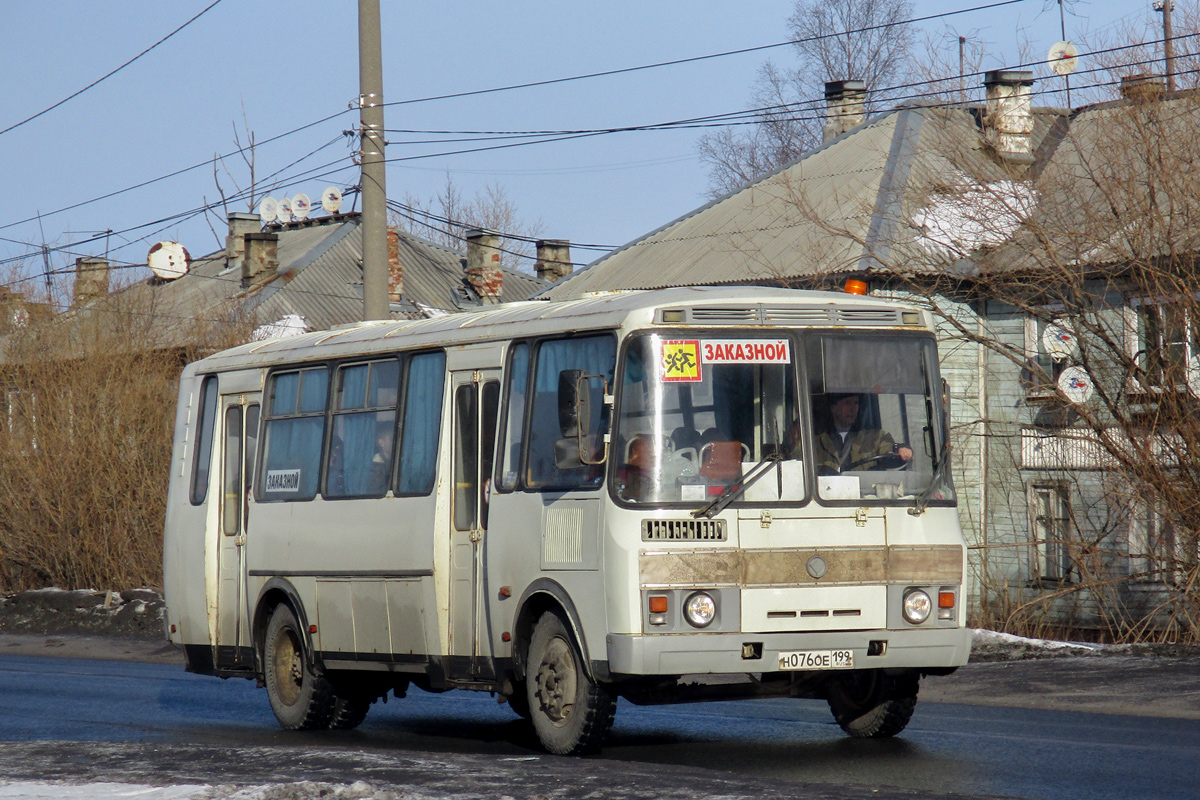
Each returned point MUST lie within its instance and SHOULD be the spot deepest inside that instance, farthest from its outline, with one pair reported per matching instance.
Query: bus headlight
(700, 610)
(917, 606)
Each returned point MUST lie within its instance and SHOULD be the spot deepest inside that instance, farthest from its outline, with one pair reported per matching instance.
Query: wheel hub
(289, 669)
(556, 682)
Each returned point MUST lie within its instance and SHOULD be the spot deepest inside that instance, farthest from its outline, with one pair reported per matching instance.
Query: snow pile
(995, 646)
(968, 216)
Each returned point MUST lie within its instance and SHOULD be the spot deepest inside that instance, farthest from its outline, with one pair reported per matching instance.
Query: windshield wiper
(938, 474)
(735, 489)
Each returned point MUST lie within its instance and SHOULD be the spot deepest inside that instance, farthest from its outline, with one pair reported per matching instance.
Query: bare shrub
(85, 443)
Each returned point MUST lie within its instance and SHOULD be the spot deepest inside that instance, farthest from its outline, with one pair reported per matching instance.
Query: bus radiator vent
(683, 530)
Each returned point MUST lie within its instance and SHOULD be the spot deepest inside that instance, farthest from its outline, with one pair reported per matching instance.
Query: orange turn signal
(945, 599)
(658, 604)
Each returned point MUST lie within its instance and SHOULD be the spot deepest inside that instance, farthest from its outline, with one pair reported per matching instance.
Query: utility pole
(374, 168)
(1165, 7)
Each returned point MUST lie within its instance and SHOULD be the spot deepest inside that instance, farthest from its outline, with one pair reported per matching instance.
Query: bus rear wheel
(571, 713)
(301, 698)
(870, 705)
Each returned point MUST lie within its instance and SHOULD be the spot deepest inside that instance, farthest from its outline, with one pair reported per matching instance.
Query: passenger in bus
(845, 446)
(636, 475)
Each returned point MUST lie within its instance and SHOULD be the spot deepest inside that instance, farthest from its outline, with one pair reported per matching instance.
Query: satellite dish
(1076, 385)
(169, 260)
(301, 205)
(268, 209)
(1059, 342)
(331, 199)
(1063, 58)
(285, 209)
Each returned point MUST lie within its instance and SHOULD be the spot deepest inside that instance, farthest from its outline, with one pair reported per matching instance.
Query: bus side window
(293, 434)
(594, 355)
(513, 438)
(204, 440)
(364, 426)
(422, 424)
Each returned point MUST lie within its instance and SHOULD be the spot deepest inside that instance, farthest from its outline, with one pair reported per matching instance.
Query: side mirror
(582, 425)
(571, 406)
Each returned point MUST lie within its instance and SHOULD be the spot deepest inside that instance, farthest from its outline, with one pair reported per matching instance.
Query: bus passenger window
(293, 433)
(364, 425)
(204, 440)
(422, 425)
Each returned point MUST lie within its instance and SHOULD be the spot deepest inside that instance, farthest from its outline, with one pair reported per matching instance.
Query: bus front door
(476, 399)
(239, 435)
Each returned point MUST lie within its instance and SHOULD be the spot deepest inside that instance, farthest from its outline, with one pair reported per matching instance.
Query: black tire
(349, 710)
(301, 699)
(870, 705)
(518, 701)
(571, 713)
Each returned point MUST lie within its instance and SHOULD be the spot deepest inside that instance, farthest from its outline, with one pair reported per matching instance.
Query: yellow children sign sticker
(681, 360)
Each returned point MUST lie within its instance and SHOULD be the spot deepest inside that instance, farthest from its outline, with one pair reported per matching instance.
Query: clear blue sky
(291, 64)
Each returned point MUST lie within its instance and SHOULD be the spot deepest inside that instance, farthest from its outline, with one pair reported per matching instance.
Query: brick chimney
(553, 259)
(91, 280)
(483, 265)
(845, 107)
(1008, 116)
(395, 270)
(260, 261)
(235, 244)
(1143, 87)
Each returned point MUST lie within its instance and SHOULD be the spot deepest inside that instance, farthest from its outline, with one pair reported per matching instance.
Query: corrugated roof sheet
(847, 205)
(319, 280)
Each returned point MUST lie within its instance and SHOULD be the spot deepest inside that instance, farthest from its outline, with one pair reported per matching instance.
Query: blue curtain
(422, 422)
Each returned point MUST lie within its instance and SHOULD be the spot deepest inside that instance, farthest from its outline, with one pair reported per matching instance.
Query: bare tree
(446, 218)
(863, 40)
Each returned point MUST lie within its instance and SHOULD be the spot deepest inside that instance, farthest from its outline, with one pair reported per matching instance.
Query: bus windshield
(698, 414)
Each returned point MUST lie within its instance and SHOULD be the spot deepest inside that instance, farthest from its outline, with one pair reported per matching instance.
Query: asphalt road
(85, 720)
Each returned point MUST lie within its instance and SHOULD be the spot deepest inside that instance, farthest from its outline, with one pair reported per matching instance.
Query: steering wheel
(892, 466)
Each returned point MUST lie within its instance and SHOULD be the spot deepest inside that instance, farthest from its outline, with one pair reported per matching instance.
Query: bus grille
(683, 530)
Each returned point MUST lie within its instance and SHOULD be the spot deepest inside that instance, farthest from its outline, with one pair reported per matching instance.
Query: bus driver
(845, 446)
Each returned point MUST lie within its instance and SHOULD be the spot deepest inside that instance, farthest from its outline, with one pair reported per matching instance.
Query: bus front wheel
(301, 699)
(571, 713)
(870, 705)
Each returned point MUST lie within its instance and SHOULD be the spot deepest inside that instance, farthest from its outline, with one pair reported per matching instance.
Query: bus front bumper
(725, 653)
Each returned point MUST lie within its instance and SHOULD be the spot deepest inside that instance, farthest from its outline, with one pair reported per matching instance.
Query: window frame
(334, 412)
(267, 416)
(1034, 328)
(1154, 381)
(1045, 551)
(535, 345)
(205, 437)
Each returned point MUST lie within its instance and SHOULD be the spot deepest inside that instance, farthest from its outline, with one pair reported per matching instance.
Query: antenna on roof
(169, 260)
(268, 209)
(331, 199)
(1063, 58)
(301, 205)
(285, 209)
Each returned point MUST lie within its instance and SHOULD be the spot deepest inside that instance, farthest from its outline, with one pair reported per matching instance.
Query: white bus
(665, 496)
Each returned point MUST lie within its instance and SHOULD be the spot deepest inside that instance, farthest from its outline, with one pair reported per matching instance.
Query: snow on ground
(981, 637)
(306, 790)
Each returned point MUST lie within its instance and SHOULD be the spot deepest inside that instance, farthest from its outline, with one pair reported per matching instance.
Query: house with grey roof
(1056, 246)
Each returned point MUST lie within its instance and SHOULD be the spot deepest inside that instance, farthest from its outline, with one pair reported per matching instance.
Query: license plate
(817, 659)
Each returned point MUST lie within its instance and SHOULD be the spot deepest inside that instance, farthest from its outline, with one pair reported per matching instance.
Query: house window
(1158, 552)
(1165, 344)
(1047, 353)
(1050, 512)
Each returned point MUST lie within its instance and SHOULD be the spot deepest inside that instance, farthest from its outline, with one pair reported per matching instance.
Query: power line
(692, 59)
(108, 75)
